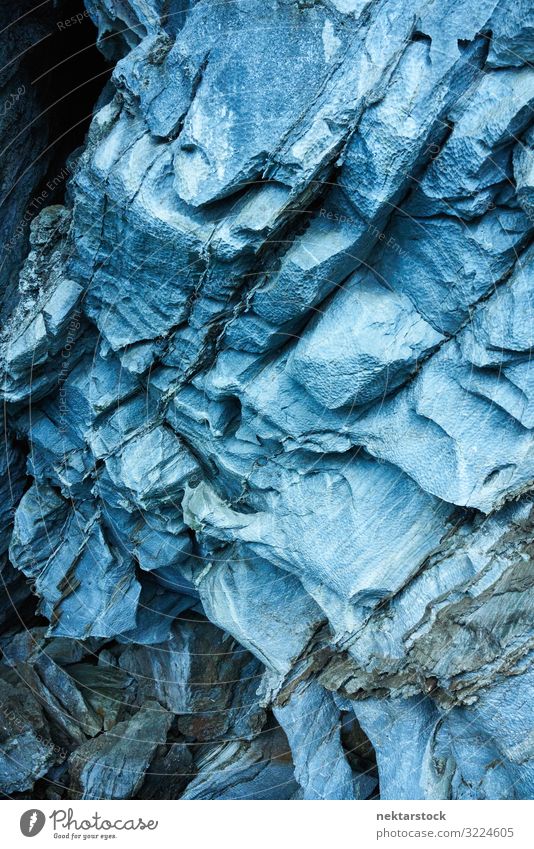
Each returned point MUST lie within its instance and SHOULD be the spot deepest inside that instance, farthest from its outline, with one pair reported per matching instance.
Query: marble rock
(268, 462)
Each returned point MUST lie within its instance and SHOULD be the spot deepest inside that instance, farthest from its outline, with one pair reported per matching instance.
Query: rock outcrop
(269, 402)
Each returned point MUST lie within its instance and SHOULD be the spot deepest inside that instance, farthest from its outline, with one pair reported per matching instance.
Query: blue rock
(268, 462)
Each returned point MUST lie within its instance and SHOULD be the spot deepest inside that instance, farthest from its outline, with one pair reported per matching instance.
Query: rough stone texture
(268, 519)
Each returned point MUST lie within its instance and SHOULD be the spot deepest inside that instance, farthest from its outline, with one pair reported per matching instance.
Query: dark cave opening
(51, 76)
(70, 73)
(65, 73)
(359, 750)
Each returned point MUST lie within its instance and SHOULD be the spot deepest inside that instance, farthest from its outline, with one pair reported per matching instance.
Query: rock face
(269, 464)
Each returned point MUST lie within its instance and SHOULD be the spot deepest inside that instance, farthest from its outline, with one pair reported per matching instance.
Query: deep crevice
(70, 74)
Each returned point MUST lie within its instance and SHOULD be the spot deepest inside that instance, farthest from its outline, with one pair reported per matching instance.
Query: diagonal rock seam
(268, 465)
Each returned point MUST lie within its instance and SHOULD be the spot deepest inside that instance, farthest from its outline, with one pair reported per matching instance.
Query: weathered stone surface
(269, 461)
(113, 765)
(26, 750)
(321, 767)
(261, 769)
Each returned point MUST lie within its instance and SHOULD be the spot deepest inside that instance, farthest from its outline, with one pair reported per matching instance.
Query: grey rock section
(271, 361)
(13, 590)
(311, 721)
(202, 676)
(260, 770)
(258, 602)
(365, 344)
(87, 587)
(26, 750)
(113, 765)
(38, 344)
(123, 24)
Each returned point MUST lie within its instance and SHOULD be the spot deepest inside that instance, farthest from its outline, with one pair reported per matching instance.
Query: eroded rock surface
(269, 402)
